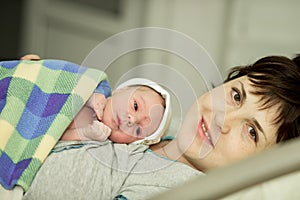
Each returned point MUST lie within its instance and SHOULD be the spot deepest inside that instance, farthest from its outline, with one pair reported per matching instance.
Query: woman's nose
(223, 115)
(223, 121)
(225, 129)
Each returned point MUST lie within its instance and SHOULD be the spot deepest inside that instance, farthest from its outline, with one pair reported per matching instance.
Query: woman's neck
(170, 150)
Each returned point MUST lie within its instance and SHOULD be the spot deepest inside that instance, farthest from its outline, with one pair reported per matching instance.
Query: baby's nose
(131, 120)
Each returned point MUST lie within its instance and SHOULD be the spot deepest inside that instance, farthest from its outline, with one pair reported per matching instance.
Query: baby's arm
(70, 135)
(97, 102)
(95, 131)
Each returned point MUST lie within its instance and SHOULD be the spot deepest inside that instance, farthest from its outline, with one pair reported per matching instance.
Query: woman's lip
(200, 130)
(205, 135)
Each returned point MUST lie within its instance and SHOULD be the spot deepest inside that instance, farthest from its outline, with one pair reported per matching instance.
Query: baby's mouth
(119, 122)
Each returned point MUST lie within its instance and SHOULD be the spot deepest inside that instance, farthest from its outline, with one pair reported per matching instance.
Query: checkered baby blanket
(38, 100)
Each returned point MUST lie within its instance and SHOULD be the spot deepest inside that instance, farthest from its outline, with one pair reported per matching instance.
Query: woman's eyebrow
(243, 90)
(253, 119)
(259, 127)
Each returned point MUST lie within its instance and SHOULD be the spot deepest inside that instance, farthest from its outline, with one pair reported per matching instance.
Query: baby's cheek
(155, 115)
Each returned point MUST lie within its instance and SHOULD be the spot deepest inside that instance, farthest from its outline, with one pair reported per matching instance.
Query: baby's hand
(96, 131)
(97, 102)
(31, 57)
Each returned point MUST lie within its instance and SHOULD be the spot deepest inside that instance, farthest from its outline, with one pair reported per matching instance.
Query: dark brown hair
(277, 81)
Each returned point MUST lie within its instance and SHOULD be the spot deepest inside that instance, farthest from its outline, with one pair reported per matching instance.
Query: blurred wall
(10, 23)
(232, 31)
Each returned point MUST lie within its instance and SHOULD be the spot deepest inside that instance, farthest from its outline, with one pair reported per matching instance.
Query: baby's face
(133, 113)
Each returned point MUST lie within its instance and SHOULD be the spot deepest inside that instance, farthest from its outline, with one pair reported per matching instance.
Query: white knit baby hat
(156, 136)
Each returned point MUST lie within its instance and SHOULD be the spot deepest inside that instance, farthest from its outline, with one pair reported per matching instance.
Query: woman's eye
(252, 133)
(236, 96)
(135, 106)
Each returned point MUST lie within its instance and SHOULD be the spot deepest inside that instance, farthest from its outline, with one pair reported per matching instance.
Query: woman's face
(226, 125)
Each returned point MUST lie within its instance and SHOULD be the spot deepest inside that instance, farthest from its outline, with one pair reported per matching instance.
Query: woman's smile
(204, 132)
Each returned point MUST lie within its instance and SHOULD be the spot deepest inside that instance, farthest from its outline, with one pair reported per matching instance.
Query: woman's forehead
(265, 101)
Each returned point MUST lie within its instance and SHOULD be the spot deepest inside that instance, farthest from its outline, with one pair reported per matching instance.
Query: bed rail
(280, 160)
